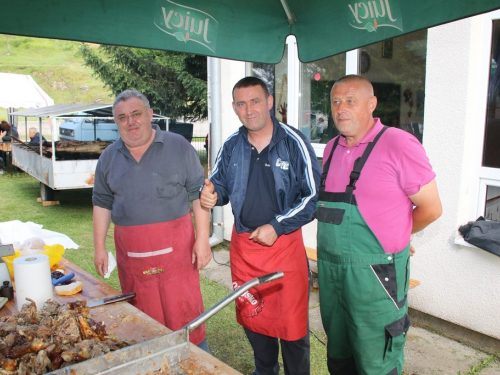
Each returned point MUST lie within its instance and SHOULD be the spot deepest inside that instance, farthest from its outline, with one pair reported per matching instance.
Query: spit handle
(270, 277)
(230, 298)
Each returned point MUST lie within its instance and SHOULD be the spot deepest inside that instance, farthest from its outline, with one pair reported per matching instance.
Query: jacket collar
(278, 132)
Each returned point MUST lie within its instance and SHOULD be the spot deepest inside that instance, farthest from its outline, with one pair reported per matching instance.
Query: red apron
(278, 308)
(154, 261)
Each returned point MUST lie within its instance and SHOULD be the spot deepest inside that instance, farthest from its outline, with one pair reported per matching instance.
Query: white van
(83, 129)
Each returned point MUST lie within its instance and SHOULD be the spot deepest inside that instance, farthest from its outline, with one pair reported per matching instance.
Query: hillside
(56, 65)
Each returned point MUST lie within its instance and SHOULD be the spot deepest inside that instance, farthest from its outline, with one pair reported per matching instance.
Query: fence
(200, 145)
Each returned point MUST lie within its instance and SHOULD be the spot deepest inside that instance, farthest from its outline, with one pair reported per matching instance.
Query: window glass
(276, 80)
(492, 204)
(396, 68)
(266, 73)
(491, 147)
(316, 80)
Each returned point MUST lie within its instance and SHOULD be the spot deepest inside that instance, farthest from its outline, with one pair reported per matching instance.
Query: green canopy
(245, 30)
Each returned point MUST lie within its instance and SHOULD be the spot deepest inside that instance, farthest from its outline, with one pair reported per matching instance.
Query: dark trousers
(266, 349)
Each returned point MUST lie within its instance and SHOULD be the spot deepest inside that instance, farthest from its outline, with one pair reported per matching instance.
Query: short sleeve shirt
(397, 168)
(156, 189)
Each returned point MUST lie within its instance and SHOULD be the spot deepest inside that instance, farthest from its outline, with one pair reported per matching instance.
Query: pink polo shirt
(397, 168)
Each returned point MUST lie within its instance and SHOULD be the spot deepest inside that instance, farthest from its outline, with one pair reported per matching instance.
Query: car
(183, 128)
(82, 129)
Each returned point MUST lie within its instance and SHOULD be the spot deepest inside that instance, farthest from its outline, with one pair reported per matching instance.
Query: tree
(175, 83)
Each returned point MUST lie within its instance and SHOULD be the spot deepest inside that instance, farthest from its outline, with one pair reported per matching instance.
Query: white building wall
(458, 284)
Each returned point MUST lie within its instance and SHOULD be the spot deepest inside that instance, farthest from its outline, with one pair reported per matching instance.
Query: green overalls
(362, 288)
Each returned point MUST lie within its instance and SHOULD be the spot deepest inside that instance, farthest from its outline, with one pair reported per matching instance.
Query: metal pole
(214, 92)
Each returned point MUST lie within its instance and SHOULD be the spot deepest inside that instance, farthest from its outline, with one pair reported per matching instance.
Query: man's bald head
(350, 78)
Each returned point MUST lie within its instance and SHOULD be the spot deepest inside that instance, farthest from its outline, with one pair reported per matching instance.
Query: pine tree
(175, 83)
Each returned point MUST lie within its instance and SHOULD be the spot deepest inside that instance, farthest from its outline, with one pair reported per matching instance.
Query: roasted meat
(57, 336)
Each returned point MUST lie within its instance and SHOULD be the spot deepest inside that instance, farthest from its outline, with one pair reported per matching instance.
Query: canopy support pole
(291, 17)
(214, 76)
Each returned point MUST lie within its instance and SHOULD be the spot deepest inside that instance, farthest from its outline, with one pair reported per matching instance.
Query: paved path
(426, 353)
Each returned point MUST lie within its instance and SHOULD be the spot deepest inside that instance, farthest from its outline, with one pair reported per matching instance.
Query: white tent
(21, 91)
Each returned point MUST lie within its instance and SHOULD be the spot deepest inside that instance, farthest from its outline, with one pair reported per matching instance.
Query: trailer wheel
(46, 193)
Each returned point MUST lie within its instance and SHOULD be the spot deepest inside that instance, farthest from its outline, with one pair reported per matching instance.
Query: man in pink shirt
(377, 188)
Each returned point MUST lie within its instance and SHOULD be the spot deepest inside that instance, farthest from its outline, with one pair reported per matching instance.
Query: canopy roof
(21, 91)
(234, 29)
(97, 110)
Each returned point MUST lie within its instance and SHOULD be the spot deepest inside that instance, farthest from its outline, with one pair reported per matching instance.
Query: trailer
(60, 170)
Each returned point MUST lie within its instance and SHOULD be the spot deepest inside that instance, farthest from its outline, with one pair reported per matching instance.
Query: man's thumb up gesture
(208, 197)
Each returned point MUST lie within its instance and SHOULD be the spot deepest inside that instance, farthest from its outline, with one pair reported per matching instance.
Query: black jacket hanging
(482, 233)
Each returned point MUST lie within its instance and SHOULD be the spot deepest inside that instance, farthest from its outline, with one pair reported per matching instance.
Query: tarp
(16, 232)
(244, 30)
(21, 91)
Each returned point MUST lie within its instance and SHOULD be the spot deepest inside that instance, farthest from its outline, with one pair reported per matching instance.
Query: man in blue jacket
(35, 137)
(269, 173)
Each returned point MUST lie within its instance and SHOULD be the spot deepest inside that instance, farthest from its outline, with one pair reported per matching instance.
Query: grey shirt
(156, 189)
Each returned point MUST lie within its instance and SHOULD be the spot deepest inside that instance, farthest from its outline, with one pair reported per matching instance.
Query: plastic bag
(32, 246)
(54, 252)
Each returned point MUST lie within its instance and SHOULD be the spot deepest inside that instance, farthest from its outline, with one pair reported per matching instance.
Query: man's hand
(201, 254)
(101, 261)
(264, 235)
(412, 250)
(208, 197)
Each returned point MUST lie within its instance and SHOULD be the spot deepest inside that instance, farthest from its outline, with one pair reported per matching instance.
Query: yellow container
(54, 252)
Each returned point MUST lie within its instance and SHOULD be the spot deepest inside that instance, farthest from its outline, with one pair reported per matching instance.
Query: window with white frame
(490, 171)
(396, 68)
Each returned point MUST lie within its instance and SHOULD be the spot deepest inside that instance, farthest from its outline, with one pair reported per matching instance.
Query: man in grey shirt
(144, 182)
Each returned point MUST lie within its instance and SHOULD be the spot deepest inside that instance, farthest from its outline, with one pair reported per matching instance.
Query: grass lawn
(73, 217)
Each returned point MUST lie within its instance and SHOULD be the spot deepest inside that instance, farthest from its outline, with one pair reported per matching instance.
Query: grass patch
(226, 338)
(73, 217)
(485, 363)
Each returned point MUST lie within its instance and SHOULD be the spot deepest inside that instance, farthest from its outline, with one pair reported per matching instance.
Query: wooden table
(5, 146)
(127, 322)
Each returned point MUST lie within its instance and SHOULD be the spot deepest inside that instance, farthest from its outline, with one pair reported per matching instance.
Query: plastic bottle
(7, 290)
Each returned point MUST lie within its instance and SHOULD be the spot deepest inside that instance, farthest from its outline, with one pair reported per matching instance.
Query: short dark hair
(127, 94)
(249, 82)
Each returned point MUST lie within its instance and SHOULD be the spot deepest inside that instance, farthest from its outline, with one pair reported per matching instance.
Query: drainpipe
(215, 141)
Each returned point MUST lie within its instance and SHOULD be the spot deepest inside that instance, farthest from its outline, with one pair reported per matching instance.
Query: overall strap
(360, 162)
(326, 166)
